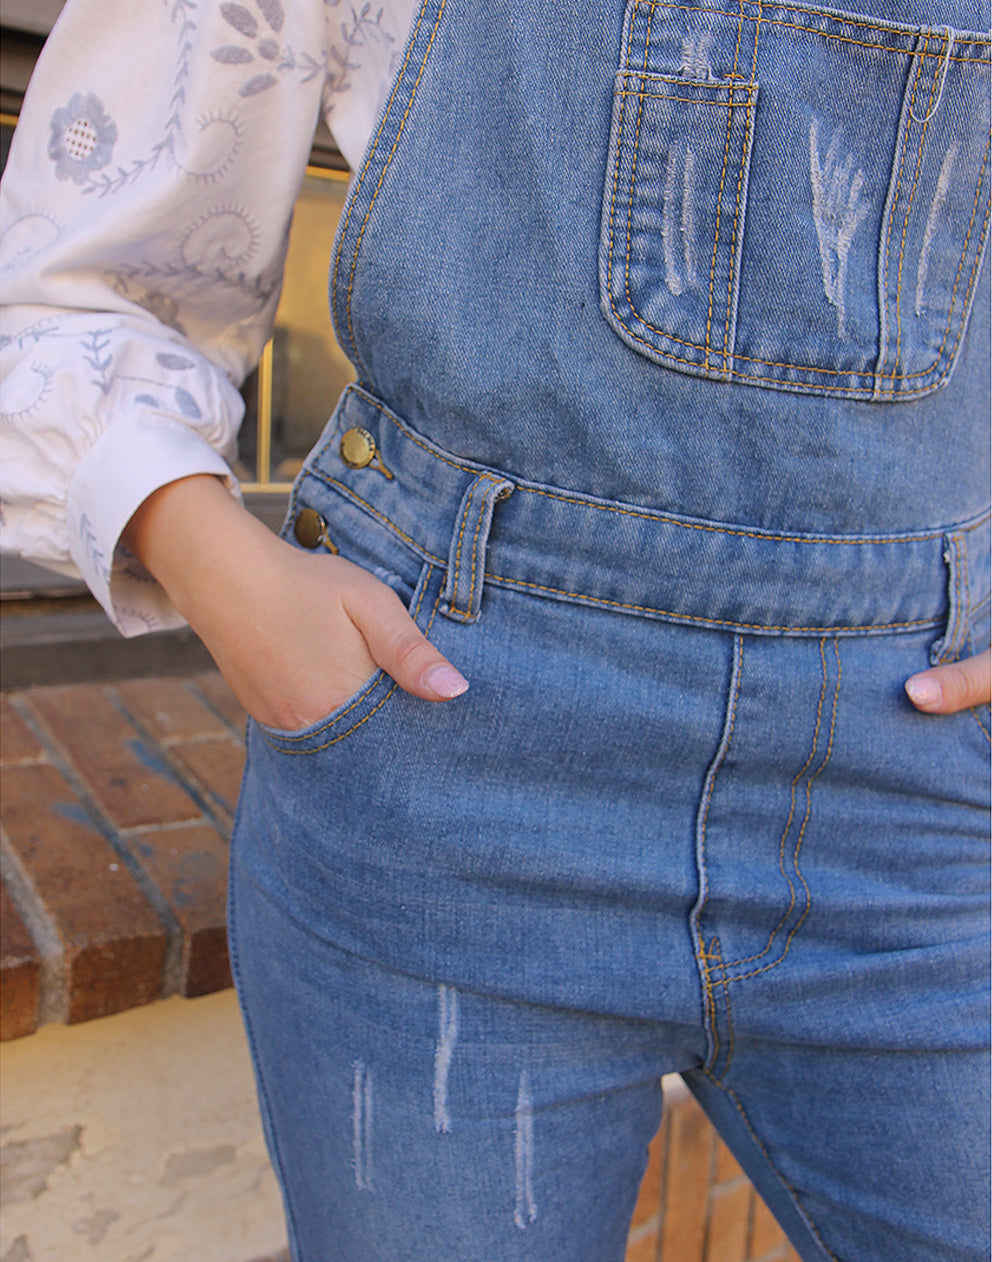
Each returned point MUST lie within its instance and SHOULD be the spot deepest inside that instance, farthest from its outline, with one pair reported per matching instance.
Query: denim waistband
(489, 527)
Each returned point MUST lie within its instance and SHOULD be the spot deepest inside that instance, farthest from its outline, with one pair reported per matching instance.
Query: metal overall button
(358, 450)
(310, 530)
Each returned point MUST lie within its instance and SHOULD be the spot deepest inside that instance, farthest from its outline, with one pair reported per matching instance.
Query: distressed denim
(671, 333)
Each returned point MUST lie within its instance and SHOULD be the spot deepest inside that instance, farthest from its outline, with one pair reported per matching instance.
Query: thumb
(947, 689)
(396, 643)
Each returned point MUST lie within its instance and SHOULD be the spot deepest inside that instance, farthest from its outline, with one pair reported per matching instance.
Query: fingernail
(924, 691)
(445, 682)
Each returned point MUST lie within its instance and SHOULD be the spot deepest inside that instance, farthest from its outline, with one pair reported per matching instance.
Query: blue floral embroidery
(83, 138)
(242, 20)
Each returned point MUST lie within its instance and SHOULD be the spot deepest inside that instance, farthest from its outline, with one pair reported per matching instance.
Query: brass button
(310, 528)
(357, 448)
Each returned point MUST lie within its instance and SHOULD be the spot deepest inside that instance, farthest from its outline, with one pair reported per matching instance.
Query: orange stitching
(973, 711)
(688, 100)
(783, 920)
(368, 163)
(719, 208)
(710, 622)
(320, 748)
(386, 521)
(953, 626)
(775, 1170)
(701, 953)
(467, 612)
(633, 166)
(846, 20)
(458, 549)
(385, 168)
(909, 203)
(769, 537)
(372, 684)
(802, 832)
(731, 271)
(892, 213)
(885, 48)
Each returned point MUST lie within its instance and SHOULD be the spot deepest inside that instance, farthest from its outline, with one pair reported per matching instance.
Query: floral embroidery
(364, 29)
(83, 138)
(266, 48)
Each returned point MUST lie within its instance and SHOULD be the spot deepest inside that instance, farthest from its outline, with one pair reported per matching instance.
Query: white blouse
(143, 225)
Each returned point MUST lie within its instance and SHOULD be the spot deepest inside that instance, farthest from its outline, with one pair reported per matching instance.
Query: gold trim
(8, 120)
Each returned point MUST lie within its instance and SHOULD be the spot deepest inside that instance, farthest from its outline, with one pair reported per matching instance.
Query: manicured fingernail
(445, 682)
(924, 691)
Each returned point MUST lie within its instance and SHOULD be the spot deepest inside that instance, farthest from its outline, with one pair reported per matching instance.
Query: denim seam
(957, 559)
(368, 166)
(884, 350)
(274, 742)
(812, 30)
(719, 623)
(702, 956)
(645, 514)
(845, 20)
(802, 830)
(912, 194)
(793, 1194)
(685, 100)
(236, 975)
(973, 711)
(388, 162)
(716, 226)
(479, 485)
(805, 368)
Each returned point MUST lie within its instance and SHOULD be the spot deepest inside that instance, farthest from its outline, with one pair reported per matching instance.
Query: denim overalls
(671, 427)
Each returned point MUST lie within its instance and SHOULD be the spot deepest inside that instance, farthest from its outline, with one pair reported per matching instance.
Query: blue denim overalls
(671, 335)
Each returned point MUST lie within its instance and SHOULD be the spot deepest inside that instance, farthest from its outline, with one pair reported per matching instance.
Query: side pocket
(373, 695)
(673, 217)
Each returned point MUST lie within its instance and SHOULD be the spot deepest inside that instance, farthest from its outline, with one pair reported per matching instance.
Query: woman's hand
(956, 686)
(294, 633)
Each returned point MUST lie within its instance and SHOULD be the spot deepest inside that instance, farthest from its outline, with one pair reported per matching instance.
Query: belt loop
(948, 647)
(462, 594)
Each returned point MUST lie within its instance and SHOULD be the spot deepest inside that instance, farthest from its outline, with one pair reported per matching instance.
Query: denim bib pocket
(823, 235)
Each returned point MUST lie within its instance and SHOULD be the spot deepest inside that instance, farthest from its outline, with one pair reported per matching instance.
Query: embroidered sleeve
(143, 225)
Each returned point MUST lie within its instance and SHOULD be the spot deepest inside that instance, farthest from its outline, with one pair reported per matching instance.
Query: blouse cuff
(118, 473)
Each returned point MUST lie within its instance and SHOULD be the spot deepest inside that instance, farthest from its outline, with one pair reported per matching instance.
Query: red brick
(189, 866)
(729, 1218)
(17, 742)
(766, 1234)
(689, 1159)
(649, 1198)
(113, 943)
(117, 768)
(169, 710)
(214, 688)
(216, 766)
(20, 973)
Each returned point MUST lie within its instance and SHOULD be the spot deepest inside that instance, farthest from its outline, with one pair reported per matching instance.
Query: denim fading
(681, 423)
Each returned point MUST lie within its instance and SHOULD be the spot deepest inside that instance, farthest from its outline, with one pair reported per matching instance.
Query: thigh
(410, 1120)
(863, 1156)
(843, 935)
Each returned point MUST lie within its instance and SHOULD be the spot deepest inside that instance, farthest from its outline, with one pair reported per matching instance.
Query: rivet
(310, 528)
(358, 448)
